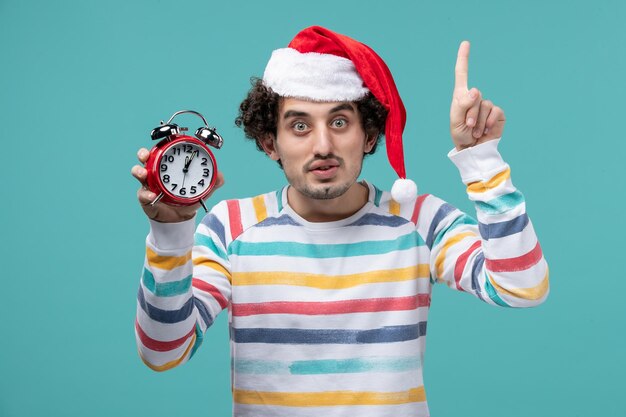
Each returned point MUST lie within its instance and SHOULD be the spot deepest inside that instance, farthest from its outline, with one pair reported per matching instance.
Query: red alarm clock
(182, 169)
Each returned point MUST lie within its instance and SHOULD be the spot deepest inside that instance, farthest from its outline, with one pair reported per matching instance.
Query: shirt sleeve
(184, 285)
(497, 258)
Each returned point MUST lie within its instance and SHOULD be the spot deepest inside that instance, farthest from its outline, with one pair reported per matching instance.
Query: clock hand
(188, 160)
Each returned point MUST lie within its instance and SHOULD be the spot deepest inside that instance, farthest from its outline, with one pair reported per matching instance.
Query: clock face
(186, 170)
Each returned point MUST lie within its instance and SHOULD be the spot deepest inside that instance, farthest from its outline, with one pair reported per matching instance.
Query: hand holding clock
(160, 211)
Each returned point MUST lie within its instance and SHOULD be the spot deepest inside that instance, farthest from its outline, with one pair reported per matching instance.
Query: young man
(327, 282)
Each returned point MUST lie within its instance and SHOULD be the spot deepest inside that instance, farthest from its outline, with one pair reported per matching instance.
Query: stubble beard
(321, 191)
(324, 193)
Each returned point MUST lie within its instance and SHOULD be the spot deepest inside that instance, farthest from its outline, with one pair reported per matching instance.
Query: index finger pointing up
(460, 70)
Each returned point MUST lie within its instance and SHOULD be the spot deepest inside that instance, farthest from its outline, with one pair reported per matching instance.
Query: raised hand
(162, 212)
(473, 120)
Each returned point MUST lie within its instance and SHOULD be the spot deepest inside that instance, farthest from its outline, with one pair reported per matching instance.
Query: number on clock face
(186, 170)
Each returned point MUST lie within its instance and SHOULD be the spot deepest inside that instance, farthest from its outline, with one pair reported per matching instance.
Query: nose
(323, 144)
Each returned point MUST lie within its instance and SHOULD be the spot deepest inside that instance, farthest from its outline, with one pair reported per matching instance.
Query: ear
(268, 143)
(370, 141)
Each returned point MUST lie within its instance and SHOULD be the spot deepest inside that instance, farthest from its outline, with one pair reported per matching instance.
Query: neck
(316, 210)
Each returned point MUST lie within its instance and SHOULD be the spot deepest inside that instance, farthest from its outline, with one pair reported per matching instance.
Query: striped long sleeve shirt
(329, 319)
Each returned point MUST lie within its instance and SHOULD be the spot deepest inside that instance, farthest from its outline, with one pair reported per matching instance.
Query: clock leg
(204, 207)
(156, 200)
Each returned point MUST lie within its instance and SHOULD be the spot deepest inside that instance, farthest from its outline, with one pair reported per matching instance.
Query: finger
(471, 116)
(140, 173)
(495, 117)
(461, 103)
(145, 197)
(495, 121)
(220, 180)
(461, 67)
(142, 155)
(485, 110)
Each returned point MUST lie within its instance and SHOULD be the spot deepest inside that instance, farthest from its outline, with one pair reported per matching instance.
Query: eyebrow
(340, 107)
(294, 113)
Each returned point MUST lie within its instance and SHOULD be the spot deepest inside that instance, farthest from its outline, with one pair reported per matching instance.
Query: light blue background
(83, 82)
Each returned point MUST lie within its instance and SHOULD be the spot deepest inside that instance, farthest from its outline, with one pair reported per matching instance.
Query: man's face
(320, 145)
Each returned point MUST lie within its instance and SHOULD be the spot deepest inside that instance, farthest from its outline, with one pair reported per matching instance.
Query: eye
(299, 126)
(339, 123)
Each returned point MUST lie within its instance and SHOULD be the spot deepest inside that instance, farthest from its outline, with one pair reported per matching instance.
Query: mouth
(323, 164)
(324, 169)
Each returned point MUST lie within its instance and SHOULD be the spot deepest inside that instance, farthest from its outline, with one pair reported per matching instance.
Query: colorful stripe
(441, 214)
(165, 289)
(204, 240)
(215, 225)
(461, 261)
(477, 268)
(328, 366)
(329, 282)
(161, 346)
(284, 220)
(260, 210)
(234, 218)
(166, 262)
(532, 293)
(215, 293)
(319, 251)
(373, 219)
(328, 398)
(516, 264)
(203, 311)
(462, 220)
(214, 265)
(503, 229)
(171, 364)
(279, 199)
(484, 186)
(377, 196)
(501, 204)
(198, 341)
(387, 334)
(492, 293)
(394, 207)
(357, 365)
(165, 316)
(449, 243)
(333, 307)
(418, 208)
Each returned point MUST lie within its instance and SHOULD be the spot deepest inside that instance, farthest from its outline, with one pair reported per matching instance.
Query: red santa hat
(322, 65)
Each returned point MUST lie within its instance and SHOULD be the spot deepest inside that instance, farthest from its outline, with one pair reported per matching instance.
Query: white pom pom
(403, 190)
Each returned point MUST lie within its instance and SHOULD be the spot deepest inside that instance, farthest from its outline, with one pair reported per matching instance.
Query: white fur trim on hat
(313, 76)
(403, 190)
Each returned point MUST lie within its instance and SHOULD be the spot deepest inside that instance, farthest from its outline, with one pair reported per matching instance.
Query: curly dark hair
(258, 114)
